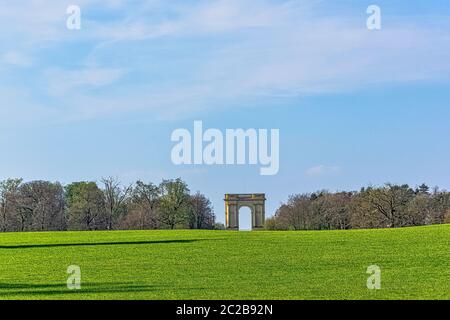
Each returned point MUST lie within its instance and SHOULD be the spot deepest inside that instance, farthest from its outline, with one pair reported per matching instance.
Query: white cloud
(17, 59)
(60, 81)
(225, 51)
(322, 170)
(283, 49)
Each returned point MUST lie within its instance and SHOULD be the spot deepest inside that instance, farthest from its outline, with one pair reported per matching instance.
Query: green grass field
(415, 264)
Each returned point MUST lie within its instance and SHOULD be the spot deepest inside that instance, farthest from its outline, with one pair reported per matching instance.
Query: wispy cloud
(181, 57)
(61, 81)
(323, 170)
(16, 58)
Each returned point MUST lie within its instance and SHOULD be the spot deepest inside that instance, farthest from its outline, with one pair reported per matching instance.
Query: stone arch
(234, 202)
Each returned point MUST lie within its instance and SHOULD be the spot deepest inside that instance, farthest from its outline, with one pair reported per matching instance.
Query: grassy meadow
(415, 264)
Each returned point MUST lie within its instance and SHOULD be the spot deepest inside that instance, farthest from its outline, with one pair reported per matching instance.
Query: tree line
(388, 206)
(50, 206)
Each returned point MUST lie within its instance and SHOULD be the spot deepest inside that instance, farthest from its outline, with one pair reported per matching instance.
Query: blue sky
(354, 107)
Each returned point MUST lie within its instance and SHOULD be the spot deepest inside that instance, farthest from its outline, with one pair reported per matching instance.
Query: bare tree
(143, 213)
(336, 210)
(115, 200)
(201, 213)
(361, 212)
(8, 200)
(420, 210)
(441, 206)
(41, 206)
(391, 202)
(447, 217)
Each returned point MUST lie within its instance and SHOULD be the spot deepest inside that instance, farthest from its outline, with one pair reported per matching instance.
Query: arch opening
(245, 219)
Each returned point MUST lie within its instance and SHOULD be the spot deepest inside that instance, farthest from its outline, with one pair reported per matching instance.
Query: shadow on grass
(20, 289)
(93, 244)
